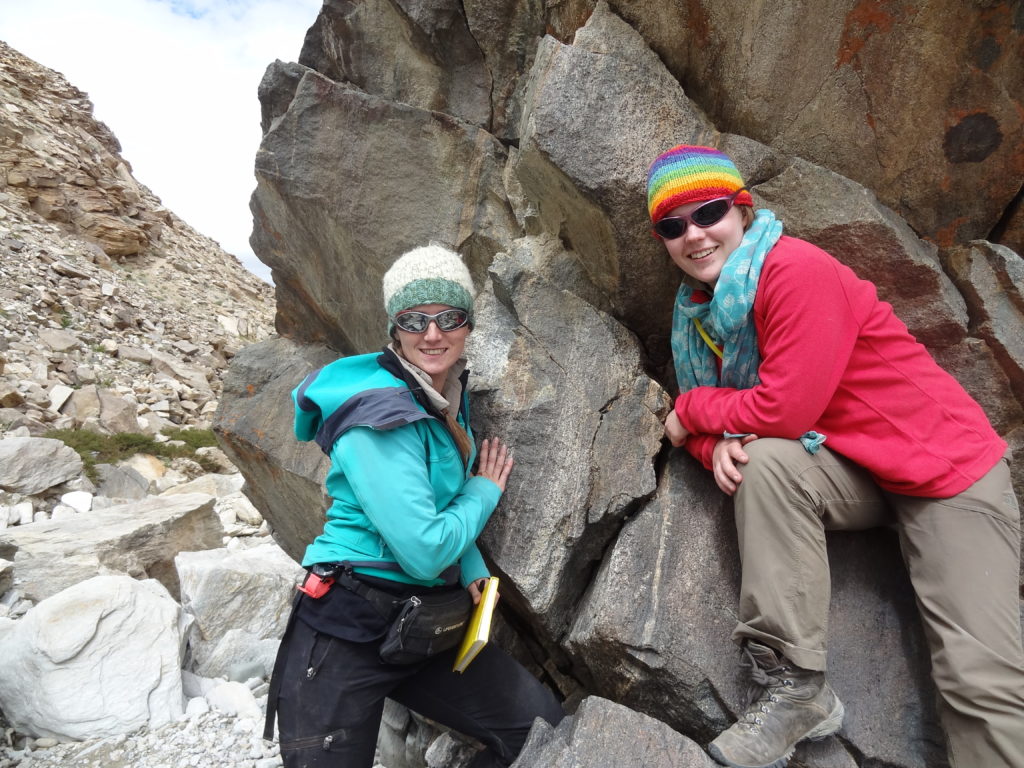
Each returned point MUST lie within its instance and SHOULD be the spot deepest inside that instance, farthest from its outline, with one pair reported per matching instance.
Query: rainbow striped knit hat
(686, 174)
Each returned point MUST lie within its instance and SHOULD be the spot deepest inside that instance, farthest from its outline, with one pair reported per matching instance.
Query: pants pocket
(329, 742)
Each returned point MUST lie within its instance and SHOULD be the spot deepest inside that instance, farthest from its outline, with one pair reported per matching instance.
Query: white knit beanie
(431, 274)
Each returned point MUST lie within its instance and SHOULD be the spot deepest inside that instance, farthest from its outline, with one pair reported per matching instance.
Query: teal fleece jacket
(401, 496)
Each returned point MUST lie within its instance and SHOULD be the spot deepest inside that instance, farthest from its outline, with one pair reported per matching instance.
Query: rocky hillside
(114, 313)
(117, 317)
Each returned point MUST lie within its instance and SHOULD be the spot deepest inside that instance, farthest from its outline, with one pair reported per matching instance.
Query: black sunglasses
(703, 216)
(418, 322)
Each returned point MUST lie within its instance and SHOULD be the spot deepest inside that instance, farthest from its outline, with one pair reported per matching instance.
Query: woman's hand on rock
(495, 461)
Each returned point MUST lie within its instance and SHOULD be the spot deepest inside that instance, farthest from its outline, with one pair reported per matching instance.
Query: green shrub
(194, 438)
(95, 448)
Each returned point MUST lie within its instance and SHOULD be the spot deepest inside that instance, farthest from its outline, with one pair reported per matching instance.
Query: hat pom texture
(431, 274)
(687, 174)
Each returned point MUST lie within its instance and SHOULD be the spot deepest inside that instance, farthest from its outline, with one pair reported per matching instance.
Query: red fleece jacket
(836, 359)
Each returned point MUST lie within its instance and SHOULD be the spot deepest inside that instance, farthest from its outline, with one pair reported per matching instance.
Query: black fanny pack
(427, 624)
(421, 625)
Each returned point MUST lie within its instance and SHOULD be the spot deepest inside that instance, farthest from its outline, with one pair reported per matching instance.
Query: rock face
(840, 85)
(618, 556)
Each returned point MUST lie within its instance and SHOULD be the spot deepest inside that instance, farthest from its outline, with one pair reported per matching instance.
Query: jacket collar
(393, 364)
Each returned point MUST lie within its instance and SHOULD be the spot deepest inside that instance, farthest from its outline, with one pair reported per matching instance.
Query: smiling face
(434, 351)
(701, 253)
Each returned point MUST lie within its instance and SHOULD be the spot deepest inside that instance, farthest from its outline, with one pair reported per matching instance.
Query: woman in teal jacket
(405, 514)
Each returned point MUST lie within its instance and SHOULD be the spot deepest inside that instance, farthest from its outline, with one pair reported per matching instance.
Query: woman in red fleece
(817, 410)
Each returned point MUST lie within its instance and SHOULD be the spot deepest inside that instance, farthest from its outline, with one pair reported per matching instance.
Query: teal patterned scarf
(728, 318)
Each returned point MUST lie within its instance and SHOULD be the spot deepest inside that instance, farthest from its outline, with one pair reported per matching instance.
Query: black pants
(332, 695)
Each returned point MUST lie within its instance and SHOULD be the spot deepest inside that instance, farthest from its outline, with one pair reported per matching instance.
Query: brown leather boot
(789, 705)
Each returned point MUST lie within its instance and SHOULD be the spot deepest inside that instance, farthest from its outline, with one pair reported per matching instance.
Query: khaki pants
(963, 557)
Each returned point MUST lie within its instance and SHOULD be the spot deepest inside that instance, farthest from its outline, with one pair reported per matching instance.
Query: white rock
(197, 706)
(152, 424)
(80, 501)
(219, 485)
(229, 324)
(235, 699)
(196, 685)
(62, 512)
(102, 502)
(173, 478)
(240, 600)
(245, 512)
(98, 659)
(59, 395)
(25, 513)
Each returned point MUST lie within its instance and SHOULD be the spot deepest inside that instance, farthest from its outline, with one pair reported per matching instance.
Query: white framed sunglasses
(413, 321)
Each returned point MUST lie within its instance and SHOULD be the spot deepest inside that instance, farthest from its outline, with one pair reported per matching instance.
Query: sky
(176, 82)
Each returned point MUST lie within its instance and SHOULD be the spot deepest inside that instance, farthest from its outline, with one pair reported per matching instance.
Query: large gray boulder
(409, 51)
(603, 733)
(653, 632)
(585, 143)
(563, 383)
(283, 477)
(439, 163)
(30, 465)
(139, 538)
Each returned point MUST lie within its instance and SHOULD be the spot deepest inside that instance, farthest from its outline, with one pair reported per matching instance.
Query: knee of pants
(774, 466)
(970, 677)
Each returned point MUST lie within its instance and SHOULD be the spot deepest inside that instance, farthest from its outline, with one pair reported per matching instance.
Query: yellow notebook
(479, 629)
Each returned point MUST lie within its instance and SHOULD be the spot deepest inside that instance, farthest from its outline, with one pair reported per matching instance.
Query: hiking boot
(789, 704)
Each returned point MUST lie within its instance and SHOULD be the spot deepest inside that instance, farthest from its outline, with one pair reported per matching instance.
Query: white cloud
(176, 82)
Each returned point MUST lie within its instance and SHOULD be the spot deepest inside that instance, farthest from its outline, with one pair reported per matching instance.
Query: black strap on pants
(275, 676)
